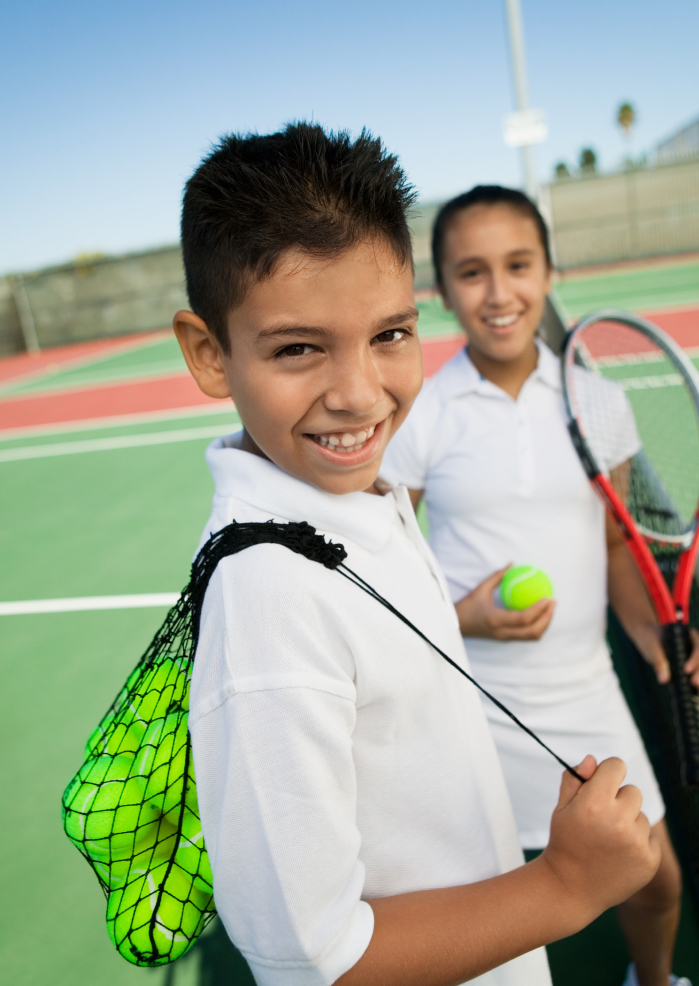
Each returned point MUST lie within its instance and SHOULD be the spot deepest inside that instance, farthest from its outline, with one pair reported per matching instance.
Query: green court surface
(117, 508)
(645, 288)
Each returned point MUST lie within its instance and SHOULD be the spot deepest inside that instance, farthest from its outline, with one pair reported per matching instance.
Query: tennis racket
(632, 397)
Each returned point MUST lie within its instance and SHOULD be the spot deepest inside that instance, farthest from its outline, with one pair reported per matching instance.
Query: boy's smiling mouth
(347, 442)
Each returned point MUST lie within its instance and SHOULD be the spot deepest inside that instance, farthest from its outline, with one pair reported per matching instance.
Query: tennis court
(104, 492)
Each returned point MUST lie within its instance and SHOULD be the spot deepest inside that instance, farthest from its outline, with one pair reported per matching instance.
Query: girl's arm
(629, 600)
(601, 851)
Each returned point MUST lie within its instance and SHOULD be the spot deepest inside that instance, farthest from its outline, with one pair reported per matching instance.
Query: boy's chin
(341, 483)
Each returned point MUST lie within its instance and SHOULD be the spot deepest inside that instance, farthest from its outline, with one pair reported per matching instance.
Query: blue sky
(106, 108)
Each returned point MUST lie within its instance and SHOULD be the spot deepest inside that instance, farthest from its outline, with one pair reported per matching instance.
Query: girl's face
(495, 279)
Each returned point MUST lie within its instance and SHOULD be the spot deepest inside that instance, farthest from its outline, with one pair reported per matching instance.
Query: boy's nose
(355, 386)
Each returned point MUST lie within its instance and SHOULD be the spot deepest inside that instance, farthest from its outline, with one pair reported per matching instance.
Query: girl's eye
(297, 349)
(392, 335)
(470, 273)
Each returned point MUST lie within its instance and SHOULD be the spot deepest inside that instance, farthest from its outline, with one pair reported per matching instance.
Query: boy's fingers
(631, 797)
(609, 776)
(571, 785)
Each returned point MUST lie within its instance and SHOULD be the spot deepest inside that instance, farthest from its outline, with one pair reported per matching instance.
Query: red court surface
(175, 391)
(29, 364)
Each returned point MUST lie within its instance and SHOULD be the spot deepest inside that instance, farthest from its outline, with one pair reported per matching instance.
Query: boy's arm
(629, 599)
(601, 851)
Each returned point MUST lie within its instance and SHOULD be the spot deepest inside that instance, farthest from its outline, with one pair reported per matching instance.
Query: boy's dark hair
(484, 195)
(254, 197)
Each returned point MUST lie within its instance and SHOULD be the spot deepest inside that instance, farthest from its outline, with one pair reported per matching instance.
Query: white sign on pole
(525, 127)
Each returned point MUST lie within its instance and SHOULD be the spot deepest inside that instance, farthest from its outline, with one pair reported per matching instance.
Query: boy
(351, 799)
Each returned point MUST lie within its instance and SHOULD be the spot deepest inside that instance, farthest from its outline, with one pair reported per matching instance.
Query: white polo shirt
(338, 757)
(503, 483)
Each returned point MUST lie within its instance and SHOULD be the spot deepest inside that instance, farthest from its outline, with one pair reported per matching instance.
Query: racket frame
(672, 608)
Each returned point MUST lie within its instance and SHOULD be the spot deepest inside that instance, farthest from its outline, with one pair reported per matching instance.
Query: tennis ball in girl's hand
(523, 586)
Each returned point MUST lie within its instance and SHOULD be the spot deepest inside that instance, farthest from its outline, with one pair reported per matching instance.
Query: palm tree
(588, 161)
(626, 117)
(561, 171)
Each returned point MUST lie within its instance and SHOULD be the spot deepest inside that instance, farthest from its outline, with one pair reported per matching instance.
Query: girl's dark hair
(254, 197)
(484, 195)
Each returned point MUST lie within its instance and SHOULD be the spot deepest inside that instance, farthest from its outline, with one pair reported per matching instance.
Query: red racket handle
(678, 646)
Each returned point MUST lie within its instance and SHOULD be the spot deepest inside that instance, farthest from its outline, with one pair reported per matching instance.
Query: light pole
(526, 127)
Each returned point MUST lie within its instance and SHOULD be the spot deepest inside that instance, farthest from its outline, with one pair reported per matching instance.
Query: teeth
(502, 321)
(347, 442)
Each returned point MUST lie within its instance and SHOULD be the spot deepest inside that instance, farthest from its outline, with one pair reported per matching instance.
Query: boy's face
(496, 278)
(325, 363)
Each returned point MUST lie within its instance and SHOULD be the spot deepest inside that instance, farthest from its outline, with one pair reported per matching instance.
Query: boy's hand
(601, 848)
(479, 616)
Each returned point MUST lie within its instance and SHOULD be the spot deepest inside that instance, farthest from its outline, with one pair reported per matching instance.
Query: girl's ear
(202, 352)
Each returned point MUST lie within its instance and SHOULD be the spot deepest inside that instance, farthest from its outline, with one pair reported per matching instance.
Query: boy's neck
(508, 375)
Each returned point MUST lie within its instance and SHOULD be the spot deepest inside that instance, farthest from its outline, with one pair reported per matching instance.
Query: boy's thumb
(571, 785)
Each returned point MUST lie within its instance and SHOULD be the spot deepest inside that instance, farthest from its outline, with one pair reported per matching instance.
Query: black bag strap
(303, 539)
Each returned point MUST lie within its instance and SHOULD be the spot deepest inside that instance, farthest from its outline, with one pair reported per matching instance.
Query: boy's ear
(202, 352)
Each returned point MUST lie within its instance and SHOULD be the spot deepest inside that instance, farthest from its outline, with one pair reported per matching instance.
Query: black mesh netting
(132, 808)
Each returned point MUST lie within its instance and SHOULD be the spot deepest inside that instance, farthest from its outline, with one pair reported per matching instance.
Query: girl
(486, 444)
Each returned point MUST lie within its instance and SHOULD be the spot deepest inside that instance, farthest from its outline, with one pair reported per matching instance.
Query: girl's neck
(508, 375)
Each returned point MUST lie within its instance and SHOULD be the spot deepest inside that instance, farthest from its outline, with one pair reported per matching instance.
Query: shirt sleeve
(272, 716)
(405, 462)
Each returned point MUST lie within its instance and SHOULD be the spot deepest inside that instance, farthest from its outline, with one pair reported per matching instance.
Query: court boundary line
(128, 345)
(118, 420)
(25, 452)
(81, 604)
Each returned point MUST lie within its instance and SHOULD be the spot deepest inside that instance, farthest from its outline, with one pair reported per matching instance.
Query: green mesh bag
(132, 808)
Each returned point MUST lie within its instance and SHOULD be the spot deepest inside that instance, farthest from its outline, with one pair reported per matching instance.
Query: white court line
(82, 603)
(117, 442)
(117, 420)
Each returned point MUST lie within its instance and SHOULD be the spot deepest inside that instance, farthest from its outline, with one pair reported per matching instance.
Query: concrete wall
(107, 296)
(645, 212)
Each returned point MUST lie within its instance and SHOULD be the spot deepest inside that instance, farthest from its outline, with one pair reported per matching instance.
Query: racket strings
(640, 423)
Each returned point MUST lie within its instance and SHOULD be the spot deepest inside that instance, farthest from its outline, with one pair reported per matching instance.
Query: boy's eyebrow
(388, 322)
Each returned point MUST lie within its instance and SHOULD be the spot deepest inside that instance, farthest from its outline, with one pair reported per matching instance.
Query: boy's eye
(469, 273)
(391, 335)
(296, 349)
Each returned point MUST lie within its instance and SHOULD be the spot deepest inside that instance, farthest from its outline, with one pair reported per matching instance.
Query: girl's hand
(479, 616)
(648, 641)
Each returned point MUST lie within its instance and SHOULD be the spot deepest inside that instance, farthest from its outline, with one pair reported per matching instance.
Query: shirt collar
(459, 376)
(364, 518)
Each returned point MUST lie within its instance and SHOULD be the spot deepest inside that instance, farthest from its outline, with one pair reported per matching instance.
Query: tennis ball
(191, 852)
(166, 780)
(107, 814)
(161, 688)
(156, 917)
(525, 585)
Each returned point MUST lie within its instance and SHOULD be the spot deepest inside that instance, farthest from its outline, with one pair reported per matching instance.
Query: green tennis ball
(160, 689)
(107, 814)
(156, 917)
(525, 585)
(191, 853)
